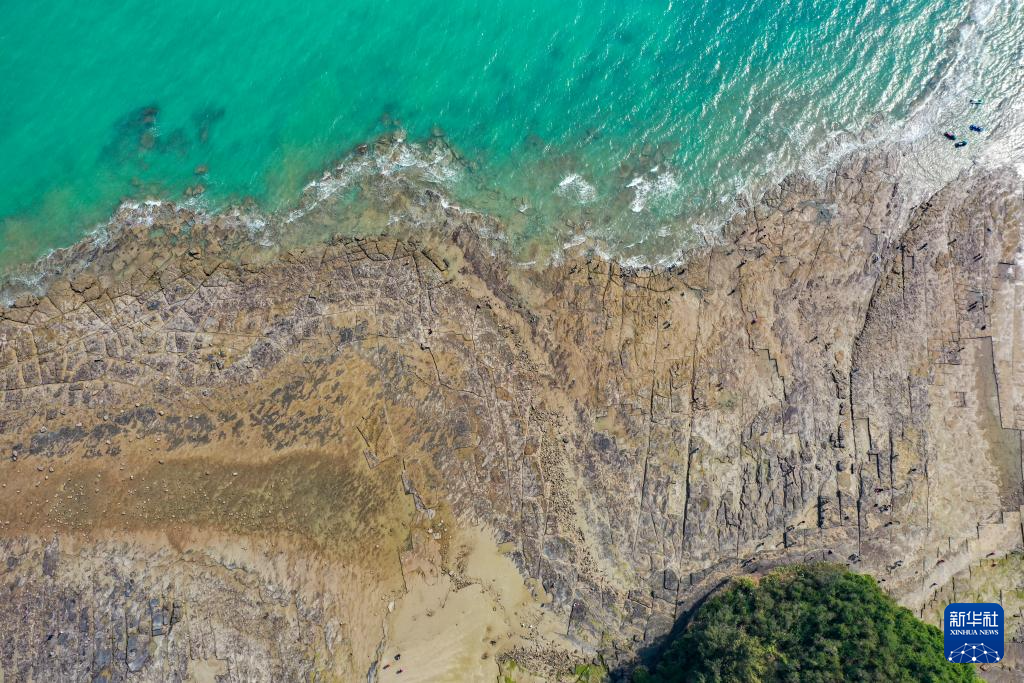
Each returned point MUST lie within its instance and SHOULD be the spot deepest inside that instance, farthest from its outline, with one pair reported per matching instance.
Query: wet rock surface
(226, 464)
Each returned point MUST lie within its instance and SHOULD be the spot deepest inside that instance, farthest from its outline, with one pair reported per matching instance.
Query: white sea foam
(651, 187)
(256, 226)
(397, 158)
(976, 67)
(574, 241)
(573, 186)
(981, 10)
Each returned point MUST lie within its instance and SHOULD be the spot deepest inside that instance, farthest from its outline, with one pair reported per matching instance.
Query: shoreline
(391, 163)
(382, 409)
(372, 171)
(942, 97)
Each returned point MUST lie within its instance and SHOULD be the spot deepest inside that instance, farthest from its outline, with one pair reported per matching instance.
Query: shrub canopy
(805, 623)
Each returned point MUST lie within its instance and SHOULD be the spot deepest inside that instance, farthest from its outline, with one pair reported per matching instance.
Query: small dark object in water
(962, 143)
(976, 101)
(949, 136)
(976, 129)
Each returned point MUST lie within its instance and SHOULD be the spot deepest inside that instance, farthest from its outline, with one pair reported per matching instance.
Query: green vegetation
(589, 673)
(805, 623)
(510, 672)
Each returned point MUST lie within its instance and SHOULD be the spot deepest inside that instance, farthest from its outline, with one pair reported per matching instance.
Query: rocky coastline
(226, 462)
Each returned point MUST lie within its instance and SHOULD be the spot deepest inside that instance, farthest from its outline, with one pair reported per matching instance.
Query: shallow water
(635, 123)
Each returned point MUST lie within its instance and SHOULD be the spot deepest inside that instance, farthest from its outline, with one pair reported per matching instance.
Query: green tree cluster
(805, 623)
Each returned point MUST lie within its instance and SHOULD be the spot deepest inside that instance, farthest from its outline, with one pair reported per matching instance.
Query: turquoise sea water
(640, 118)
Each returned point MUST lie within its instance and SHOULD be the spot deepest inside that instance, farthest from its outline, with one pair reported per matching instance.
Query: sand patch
(457, 623)
(206, 670)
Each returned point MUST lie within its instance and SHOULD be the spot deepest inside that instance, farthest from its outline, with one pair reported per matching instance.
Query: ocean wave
(981, 10)
(34, 278)
(387, 158)
(652, 186)
(573, 186)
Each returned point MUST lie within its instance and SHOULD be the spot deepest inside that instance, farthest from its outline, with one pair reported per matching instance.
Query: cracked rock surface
(221, 462)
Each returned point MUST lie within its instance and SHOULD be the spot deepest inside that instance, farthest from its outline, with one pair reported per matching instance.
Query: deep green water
(643, 117)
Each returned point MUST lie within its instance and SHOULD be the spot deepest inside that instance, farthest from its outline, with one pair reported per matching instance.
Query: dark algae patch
(805, 623)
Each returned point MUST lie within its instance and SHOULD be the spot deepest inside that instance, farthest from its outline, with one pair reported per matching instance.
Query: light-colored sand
(206, 670)
(456, 626)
